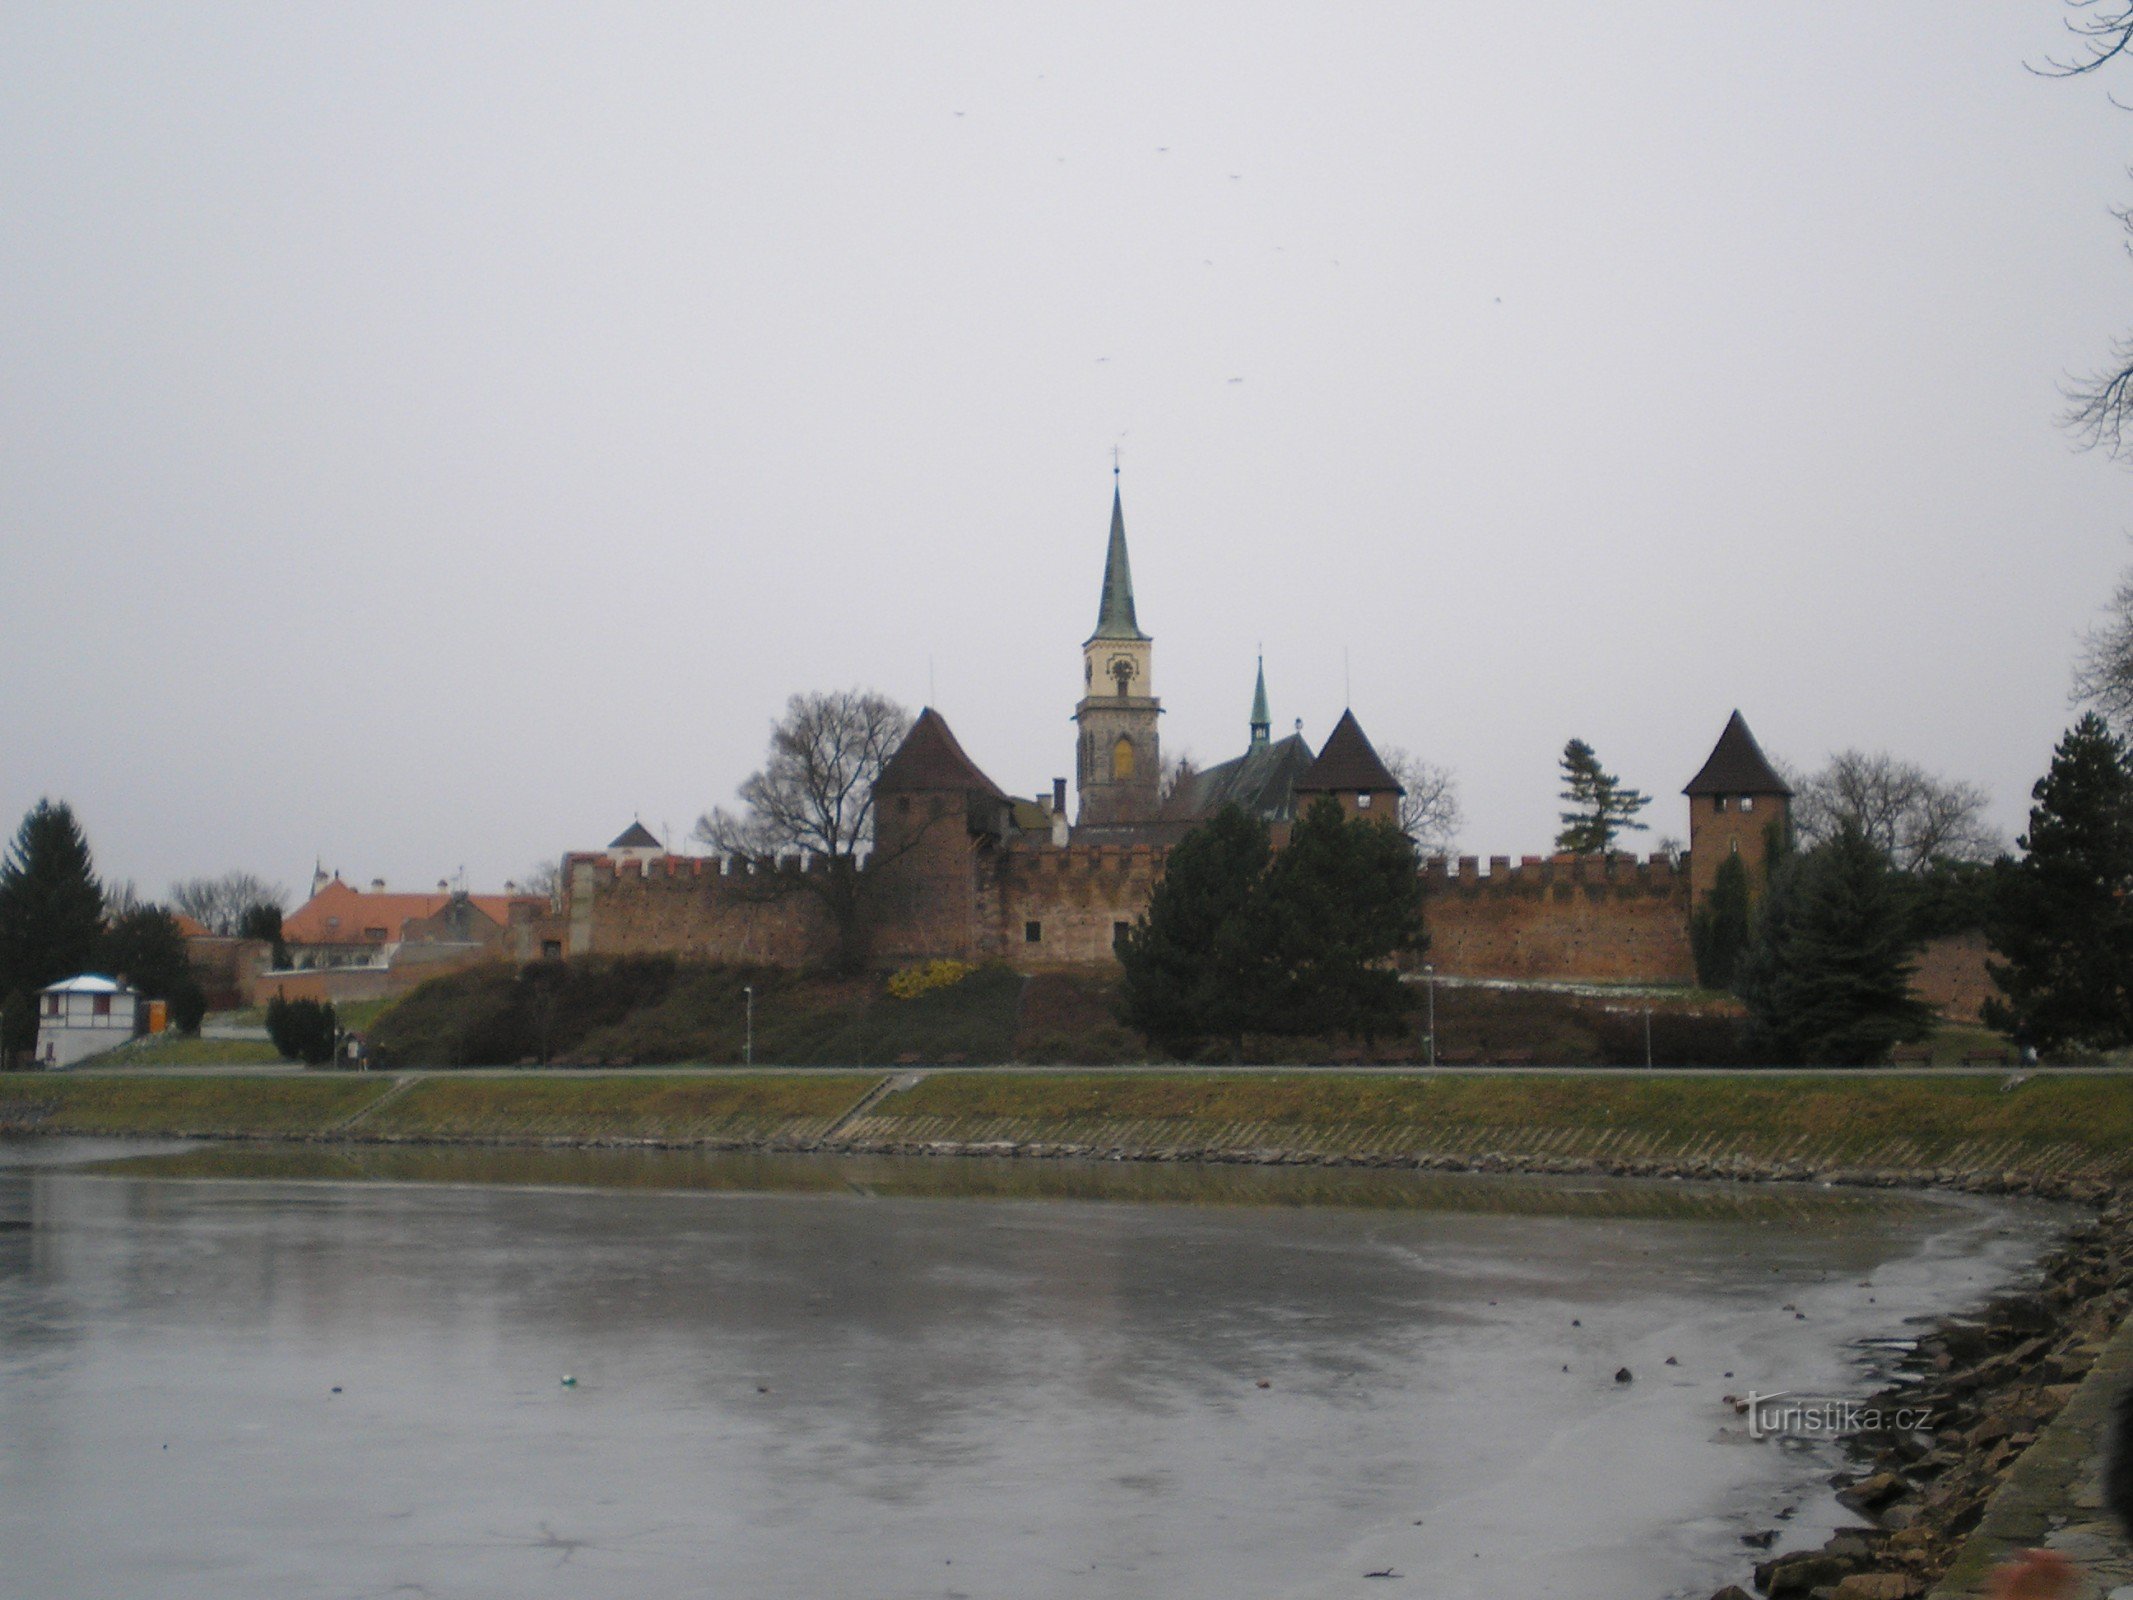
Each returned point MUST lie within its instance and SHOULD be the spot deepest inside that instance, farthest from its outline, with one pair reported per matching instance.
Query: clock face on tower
(1122, 672)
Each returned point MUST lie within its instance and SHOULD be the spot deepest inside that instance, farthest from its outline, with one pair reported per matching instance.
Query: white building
(82, 1017)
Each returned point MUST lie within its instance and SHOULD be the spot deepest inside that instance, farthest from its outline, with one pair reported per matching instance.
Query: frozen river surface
(251, 1373)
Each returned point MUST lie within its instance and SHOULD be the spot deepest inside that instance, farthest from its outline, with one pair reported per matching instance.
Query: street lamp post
(1430, 972)
(748, 1043)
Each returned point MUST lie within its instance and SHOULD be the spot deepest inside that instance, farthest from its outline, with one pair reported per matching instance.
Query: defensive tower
(1735, 802)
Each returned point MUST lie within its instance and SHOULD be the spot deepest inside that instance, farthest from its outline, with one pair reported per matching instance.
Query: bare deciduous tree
(2103, 672)
(2100, 407)
(1913, 816)
(1429, 810)
(815, 796)
(219, 904)
(545, 880)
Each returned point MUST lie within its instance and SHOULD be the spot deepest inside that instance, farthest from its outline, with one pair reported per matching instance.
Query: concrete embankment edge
(2052, 1496)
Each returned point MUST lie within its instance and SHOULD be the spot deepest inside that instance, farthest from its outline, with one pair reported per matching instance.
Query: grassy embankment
(658, 1011)
(2060, 1126)
(735, 1109)
(2050, 1127)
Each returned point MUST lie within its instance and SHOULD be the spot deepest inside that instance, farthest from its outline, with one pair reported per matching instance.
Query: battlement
(687, 869)
(1618, 870)
(1057, 861)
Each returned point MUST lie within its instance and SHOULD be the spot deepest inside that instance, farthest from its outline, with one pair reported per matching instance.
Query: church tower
(1119, 763)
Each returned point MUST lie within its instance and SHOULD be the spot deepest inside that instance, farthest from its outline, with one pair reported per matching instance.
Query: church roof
(1115, 619)
(930, 758)
(1261, 782)
(636, 837)
(1348, 761)
(1737, 766)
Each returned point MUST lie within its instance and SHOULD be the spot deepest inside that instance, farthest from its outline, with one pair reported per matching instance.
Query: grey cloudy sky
(431, 435)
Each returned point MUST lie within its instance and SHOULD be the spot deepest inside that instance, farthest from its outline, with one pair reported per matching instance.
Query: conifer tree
(1719, 932)
(2061, 918)
(1600, 806)
(51, 905)
(146, 948)
(1342, 900)
(1197, 967)
(1827, 980)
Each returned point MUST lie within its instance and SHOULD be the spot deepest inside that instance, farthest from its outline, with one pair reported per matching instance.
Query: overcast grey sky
(433, 435)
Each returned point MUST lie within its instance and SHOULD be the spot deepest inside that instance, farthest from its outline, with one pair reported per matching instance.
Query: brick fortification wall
(1077, 897)
(1610, 919)
(695, 906)
(1618, 920)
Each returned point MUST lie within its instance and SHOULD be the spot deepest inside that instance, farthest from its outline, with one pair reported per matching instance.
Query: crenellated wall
(1606, 919)
(697, 906)
(1612, 919)
(1077, 895)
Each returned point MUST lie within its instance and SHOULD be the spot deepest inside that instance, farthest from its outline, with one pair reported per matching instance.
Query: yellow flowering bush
(910, 982)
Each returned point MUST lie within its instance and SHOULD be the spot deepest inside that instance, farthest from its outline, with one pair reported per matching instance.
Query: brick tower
(1119, 759)
(1734, 801)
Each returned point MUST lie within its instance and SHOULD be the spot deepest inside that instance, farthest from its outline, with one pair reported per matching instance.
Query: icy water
(244, 1372)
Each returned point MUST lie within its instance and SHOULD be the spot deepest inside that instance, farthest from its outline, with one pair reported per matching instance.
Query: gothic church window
(1122, 760)
(1032, 933)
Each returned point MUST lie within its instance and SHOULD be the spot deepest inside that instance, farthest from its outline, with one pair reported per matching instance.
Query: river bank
(2057, 1135)
(1994, 1381)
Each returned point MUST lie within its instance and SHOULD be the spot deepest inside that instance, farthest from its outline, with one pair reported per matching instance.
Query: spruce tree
(1827, 980)
(1600, 807)
(146, 948)
(1342, 900)
(1719, 932)
(51, 906)
(2061, 918)
(1196, 964)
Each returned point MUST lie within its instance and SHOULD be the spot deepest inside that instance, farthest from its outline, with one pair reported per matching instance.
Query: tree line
(58, 919)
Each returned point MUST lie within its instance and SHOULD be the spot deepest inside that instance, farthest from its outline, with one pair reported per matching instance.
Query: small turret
(1262, 724)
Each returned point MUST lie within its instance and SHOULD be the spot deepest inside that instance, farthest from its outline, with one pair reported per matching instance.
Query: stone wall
(1611, 919)
(1951, 976)
(1073, 900)
(694, 906)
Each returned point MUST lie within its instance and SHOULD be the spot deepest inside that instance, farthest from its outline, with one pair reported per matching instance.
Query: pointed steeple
(1262, 724)
(1115, 620)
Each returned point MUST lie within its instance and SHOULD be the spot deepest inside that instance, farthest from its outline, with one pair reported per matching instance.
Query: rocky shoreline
(1991, 1381)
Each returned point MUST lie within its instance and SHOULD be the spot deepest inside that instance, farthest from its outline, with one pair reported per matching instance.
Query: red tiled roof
(339, 914)
(190, 927)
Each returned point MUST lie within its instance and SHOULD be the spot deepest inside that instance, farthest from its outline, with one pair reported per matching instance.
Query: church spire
(1115, 619)
(1262, 724)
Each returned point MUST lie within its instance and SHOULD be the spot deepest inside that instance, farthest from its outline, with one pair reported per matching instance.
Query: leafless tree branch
(1915, 816)
(1429, 810)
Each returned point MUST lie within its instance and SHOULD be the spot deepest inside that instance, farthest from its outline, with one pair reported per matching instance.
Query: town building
(84, 1016)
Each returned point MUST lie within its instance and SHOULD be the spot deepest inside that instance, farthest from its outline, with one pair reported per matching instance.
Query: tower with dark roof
(1736, 801)
(1118, 761)
(1349, 769)
(1262, 723)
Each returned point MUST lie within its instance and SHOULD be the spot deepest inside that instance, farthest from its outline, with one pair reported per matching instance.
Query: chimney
(1059, 794)
(443, 887)
(510, 886)
(377, 885)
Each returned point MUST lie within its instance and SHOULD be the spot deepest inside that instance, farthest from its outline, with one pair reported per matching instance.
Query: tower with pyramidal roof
(1118, 759)
(1736, 801)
